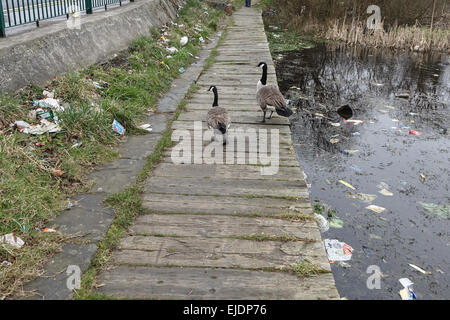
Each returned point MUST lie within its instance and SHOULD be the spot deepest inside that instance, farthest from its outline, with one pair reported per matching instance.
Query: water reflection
(380, 150)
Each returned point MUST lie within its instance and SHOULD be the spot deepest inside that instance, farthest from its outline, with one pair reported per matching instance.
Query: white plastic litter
(147, 127)
(12, 240)
(6, 263)
(375, 208)
(45, 126)
(323, 223)
(49, 103)
(184, 40)
(419, 269)
(48, 94)
(21, 125)
(338, 251)
(172, 50)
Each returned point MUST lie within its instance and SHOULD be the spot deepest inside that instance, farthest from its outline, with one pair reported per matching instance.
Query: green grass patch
(306, 268)
(284, 41)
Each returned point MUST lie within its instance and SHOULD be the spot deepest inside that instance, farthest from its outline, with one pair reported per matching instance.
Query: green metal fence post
(88, 6)
(2, 21)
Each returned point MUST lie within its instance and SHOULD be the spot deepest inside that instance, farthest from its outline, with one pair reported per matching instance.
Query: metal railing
(19, 12)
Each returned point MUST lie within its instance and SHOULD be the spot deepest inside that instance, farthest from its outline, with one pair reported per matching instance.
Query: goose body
(218, 118)
(269, 97)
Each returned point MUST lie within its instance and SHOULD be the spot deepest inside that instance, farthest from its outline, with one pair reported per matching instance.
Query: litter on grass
(48, 103)
(181, 70)
(12, 240)
(184, 40)
(117, 127)
(6, 264)
(338, 251)
(375, 208)
(147, 127)
(172, 50)
(416, 133)
(38, 129)
(49, 230)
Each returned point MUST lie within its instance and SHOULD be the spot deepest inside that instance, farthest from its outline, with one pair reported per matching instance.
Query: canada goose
(269, 97)
(218, 117)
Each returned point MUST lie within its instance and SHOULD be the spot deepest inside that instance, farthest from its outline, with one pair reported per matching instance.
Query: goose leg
(264, 117)
(270, 117)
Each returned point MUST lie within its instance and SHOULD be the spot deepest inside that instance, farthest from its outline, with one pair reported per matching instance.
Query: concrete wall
(39, 55)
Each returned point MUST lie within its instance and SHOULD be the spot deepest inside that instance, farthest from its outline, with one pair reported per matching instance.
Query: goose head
(263, 81)
(216, 98)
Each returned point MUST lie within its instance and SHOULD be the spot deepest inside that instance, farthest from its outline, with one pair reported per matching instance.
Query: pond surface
(378, 154)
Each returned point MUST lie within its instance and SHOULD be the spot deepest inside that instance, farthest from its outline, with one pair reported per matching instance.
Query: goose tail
(222, 128)
(284, 111)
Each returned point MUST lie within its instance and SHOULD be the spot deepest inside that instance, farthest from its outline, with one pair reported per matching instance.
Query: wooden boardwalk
(218, 231)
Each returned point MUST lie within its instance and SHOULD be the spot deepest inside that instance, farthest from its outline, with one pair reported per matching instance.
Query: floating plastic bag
(323, 222)
(407, 293)
(442, 211)
(345, 183)
(375, 208)
(338, 251)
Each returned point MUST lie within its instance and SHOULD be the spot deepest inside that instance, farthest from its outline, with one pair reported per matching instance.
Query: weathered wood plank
(175, 203)
(219, 226)
(226, 172)
(207, 283)
(226, 187)
(217, 252)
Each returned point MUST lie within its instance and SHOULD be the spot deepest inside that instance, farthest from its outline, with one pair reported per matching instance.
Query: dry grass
(413, 38)
(407, 24)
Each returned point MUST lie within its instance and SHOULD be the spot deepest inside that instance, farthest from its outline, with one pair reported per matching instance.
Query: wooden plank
(219, 226)
(217, 252)
(226, 172)
(243, 188)
(207, 283)
(175, 203)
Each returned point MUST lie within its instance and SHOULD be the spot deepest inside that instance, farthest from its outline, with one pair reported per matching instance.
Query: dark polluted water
(388, 165)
